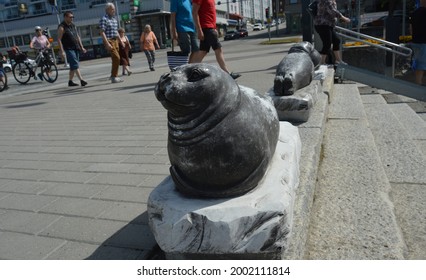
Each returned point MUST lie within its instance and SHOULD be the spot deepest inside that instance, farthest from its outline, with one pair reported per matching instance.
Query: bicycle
(3, 79)
(23, 70)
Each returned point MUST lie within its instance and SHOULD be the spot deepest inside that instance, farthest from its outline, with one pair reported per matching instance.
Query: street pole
(118, 13)
(277, 10)
(306, 22)
(59, 22)
(5, 32)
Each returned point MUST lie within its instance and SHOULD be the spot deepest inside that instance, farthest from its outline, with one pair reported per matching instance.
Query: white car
(7, 67)
(257, 27)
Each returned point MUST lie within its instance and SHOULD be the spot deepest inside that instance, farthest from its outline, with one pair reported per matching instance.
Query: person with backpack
(324, 23)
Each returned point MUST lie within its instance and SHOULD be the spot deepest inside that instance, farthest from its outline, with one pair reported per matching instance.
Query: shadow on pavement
(132, 242)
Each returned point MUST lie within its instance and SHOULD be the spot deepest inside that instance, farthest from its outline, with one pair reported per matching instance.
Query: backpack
(313, 8)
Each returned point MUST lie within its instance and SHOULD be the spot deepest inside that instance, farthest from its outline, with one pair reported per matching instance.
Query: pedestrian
(41, 43)
(149, 42)
(204, 15)
(418, 32)
(124, 51)
(324, 23)
(182, 27)
(108, 26)
(70, 45)
(2, 78)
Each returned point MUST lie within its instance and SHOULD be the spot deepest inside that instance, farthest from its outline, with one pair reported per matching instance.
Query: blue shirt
(109, 25)
(183, 10)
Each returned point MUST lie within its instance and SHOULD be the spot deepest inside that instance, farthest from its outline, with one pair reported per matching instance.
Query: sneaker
(83, 83)
(116, 80)
(152, 69)
(72, 84)
(40, 76)
(235, 75)
(129, 73)
(341, 62)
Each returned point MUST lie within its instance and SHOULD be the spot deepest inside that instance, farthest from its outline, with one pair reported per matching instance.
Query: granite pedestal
(255, 225)
(297, 107)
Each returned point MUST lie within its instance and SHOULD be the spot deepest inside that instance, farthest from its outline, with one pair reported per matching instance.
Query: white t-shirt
(40, 42)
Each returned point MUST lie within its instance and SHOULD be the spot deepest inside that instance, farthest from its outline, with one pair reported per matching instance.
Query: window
(27, 39)
(3, 43)
(18, 41)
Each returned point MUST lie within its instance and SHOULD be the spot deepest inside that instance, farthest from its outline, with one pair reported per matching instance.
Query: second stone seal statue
(221, 135)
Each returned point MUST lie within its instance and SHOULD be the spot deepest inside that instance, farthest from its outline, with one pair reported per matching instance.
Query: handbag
(130, 54)
(176, 59)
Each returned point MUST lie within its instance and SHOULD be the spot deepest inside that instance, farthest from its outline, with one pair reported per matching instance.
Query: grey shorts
(188, 42)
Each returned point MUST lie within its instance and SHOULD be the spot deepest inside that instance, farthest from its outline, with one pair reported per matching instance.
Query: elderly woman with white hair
(148, 42)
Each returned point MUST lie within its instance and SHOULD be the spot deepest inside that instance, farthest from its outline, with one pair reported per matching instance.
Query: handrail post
(393, 65)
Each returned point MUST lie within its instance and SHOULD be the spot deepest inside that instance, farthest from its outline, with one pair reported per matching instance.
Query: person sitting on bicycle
(39, 42)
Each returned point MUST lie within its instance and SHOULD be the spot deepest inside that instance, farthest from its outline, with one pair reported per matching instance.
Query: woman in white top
(40, 42)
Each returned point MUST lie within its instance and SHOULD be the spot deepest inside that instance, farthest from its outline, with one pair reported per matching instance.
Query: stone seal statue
(221, 135)
(308, 48)
(296, 69)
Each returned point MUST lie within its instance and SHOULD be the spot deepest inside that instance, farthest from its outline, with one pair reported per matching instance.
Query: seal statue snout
(160, 88)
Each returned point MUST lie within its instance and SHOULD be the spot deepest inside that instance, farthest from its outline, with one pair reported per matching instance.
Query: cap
(37, 28)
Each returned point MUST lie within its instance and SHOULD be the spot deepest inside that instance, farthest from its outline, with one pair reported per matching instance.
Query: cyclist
(40, 42)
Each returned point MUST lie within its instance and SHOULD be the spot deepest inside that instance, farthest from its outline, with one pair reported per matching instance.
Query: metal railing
(385, 45)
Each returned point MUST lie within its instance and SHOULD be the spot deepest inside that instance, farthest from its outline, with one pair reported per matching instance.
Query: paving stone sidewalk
(77, 164)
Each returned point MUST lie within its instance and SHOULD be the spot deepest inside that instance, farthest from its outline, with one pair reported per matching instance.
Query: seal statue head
(294, 72)
(221, 135)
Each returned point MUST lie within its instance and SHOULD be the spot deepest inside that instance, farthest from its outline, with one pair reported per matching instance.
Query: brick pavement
(76, 167)
(77, 164)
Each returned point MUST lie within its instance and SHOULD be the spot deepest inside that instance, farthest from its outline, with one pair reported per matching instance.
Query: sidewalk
(77, 164)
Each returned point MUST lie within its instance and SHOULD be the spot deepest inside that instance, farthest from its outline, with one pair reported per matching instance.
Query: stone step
(400, 135)
(395, 140)
(352, 214)
(408, 112)
(311, 134)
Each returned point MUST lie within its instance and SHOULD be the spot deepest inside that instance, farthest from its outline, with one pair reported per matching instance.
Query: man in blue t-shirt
(182, 27)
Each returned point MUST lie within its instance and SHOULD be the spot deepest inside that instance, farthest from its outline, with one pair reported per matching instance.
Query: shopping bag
(176, 59)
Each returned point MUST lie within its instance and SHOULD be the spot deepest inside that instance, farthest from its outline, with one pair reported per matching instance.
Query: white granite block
(254, 225)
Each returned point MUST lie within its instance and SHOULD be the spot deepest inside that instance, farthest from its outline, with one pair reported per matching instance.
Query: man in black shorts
(204, 14)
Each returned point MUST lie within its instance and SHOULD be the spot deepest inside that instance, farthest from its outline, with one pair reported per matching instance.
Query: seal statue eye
(196, 75)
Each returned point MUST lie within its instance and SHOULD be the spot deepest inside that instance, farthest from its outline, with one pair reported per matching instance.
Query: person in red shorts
(204, 14)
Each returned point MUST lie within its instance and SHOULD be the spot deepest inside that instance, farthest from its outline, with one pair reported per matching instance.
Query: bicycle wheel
(50, 72)
(3, 80)
(21, 72)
